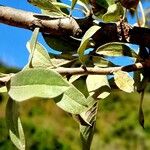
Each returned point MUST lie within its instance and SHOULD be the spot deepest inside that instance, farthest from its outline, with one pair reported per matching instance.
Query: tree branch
(29, 20)
(101, 71)
(109, 32)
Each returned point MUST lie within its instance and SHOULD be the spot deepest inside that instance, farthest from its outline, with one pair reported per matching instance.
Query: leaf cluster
(78, 94)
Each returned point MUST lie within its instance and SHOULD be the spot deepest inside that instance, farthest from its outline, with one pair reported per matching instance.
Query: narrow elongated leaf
(73, 4)
(16, 140)
(14, 124)
(113, 13)
(40, 57)
(32, 45)
(87, 130)
(98, 85)
(116, 49)
(37, 83)
(21, 133)
(33, 40)
(141, 114)
(124, 81)
(12, 115)
(85, 41)
(72, 101)
(19, 141)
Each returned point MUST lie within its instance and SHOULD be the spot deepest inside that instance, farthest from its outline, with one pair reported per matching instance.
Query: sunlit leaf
(3, 89)
(116, 49)
(46, 5)
(40, 56)
(113, 13)
(85, 41)
(16, 140)
(98, 85)
(37, 83)
(32, 45)
(21, 133)
(124, 81)
(33, 40)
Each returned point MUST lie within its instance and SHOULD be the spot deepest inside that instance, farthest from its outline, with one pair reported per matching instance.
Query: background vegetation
(49, 128)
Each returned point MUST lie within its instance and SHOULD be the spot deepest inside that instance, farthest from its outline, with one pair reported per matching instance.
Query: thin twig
(100, 71)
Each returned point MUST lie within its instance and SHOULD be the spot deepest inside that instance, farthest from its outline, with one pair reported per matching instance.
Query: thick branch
(29, 20)
(101, 71)
(68, 26)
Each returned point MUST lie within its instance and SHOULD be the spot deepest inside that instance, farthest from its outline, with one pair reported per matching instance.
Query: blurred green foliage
(47, 127)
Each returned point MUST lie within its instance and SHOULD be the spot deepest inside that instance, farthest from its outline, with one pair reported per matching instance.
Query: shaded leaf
(61, 44)
(101, 62)
(116, 49)
(12, 115)
(113, 13)
(80, 84)
(73, 3)
(87, 130)
(85, 41)
(124, 81)
(37, 82)
(72, 101)
(141, 114)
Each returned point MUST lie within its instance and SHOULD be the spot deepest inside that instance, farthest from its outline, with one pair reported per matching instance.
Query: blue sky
(13, 40)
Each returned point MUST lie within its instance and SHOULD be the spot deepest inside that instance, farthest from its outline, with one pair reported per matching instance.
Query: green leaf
(124, 81)
(113, 13)
(12, 115)
(16, 140)
(98, 86)
(140, 81)
(73, 3)
(116, 49)
(61, 44)
(37, 82)
(102, 3)
(3, 89)
(46, 5)
(33, 40)
(72, 101)
(40, 57)
(61, 5)
(101, 62)
(21, 133)
(141, 113)
(85, 41)
(32, 45)
(87, 130)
